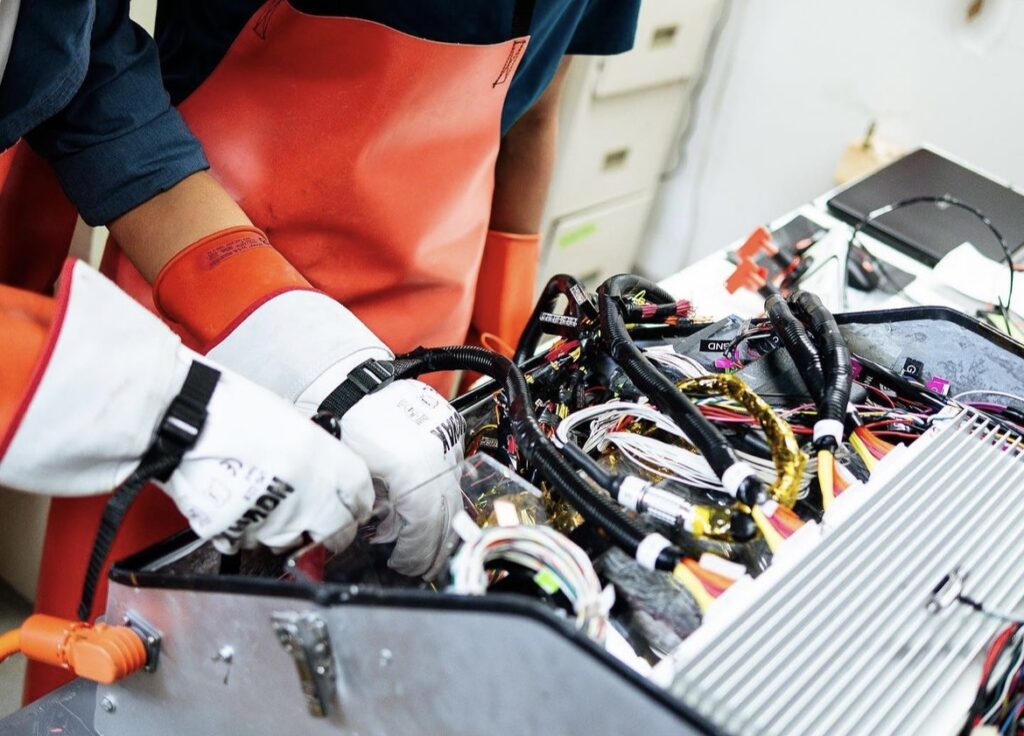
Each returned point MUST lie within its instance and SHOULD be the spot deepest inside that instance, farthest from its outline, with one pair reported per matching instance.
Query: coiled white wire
(542, 550)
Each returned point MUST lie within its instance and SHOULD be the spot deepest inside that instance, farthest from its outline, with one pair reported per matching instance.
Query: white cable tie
(648, 550)
(734, 476)
(769, 507)
(631, 491)
(829, 428)
(466, 528)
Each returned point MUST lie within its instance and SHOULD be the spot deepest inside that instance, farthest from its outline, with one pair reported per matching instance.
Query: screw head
(108, 705)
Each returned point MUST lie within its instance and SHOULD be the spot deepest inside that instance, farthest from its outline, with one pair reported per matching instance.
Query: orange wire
(838, 484)
(10, 643)
(715, 583)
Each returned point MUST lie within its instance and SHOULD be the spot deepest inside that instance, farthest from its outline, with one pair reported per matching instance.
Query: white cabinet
(588, 244)
(621, 119)
(671, 41)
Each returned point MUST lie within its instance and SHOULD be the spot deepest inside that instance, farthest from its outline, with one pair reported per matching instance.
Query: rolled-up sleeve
(118, 142)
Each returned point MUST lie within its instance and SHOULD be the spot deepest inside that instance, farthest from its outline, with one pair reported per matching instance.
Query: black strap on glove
(366, 378)
(177, 434)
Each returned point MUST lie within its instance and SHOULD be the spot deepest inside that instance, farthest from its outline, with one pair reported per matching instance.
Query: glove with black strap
(256, 314)
(95, 389)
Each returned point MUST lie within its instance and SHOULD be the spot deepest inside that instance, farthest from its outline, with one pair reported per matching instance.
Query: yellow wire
(862, 450)
(685, 577)
(825, 463)
(771, 534)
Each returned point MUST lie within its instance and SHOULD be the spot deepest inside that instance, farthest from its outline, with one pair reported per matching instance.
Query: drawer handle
(664, 36)
(616, 159)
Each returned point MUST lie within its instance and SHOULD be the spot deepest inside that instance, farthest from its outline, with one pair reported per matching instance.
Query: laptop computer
(927, 231)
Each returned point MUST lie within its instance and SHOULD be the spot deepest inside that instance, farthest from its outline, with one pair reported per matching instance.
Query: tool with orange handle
(100, 653)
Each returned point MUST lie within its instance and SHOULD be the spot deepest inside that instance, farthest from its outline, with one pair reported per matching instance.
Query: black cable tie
(177, 433)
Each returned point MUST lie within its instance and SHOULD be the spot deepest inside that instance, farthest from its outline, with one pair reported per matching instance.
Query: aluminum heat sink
(846, 642)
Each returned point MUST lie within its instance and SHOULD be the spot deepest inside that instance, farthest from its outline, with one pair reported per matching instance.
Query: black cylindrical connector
(742, 527)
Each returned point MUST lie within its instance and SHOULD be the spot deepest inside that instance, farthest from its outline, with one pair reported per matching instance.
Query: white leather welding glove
(258, 472)
(257, 315)
(412, 442)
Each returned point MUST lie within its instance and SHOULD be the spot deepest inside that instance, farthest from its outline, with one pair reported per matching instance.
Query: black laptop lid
(924, 231)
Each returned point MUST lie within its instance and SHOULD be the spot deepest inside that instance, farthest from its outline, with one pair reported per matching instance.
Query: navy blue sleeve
(607, 27)
(118, 142)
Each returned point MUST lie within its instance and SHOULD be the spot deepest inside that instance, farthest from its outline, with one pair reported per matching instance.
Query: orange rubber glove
(505, 288)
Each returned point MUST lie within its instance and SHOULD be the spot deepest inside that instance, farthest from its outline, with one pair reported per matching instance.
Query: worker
(94, 389)
(364, 170)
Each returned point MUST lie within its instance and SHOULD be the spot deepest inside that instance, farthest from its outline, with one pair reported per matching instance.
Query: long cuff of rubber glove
(215, 283)
(505, 286)
(26, 321)
(256, 314)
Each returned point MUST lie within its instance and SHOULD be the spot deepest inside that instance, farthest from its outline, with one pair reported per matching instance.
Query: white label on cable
(631, 491)
(648, 550)
(734, 476)
(829, 428)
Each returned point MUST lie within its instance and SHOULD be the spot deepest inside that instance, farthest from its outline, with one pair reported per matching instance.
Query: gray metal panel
(400, 671)
(67, 712)
(844, 644)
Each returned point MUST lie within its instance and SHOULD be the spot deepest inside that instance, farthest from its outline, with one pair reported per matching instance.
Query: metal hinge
(304, 636)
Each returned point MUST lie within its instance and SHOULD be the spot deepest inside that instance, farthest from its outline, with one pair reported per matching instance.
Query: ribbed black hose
(533, 443)
(835, 356)
(558, 285)
(648, 379)
(798, 344)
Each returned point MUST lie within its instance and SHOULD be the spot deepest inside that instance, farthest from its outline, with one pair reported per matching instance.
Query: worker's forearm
(152, 233)
(523, 176)
(526, 162)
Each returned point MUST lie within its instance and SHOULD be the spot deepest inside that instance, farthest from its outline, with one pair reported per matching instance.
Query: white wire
(683, 364)
(990, 392)
(537, 548)
(657, 457)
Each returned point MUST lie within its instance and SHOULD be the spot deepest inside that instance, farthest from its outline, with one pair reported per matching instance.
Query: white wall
(793, 81)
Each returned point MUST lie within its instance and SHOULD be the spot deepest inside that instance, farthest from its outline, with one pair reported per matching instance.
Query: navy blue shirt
(83, 83)
(83, 86)
(194, 35)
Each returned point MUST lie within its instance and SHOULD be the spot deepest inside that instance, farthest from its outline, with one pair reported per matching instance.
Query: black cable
(798, 343)
(651, 381)
(945, 199)
(834, 400)
(534, 444)
(558, 285)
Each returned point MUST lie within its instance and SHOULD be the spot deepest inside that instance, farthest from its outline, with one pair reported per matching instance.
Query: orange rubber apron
(36, 221)
(367, 156)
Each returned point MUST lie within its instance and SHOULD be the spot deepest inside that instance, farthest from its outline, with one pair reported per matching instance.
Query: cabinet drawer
(599, 242)
(671, 41)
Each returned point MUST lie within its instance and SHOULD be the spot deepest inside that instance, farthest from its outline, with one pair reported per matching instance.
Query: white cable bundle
(552, 556)
(683, 364)
(654, 456)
